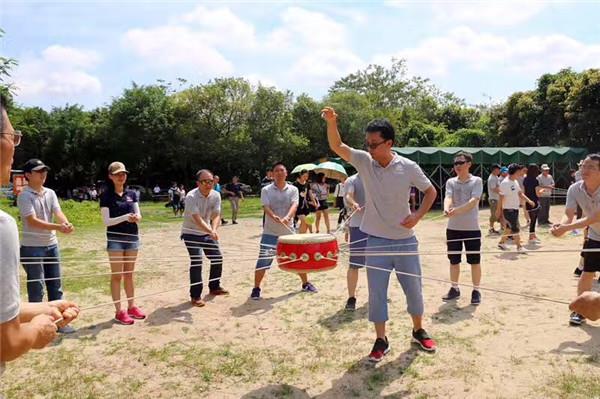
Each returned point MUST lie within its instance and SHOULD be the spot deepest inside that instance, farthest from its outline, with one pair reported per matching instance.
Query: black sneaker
(577, 272)
(224, 222)
(453, 293)
(234, 222)
(351, 304)
(255, 294)
(576, 319)
(380, 349)
(475, 297)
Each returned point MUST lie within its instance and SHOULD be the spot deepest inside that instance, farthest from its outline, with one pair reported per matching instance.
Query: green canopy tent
(437, 162)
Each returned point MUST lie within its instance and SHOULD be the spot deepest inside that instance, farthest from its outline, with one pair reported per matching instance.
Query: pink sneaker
(136, 313)
(123, 318)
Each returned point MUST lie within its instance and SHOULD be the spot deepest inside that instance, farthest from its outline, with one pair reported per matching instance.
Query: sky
(87, 52)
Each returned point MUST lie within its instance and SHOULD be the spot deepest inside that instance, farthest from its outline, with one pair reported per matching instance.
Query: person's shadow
(450, 313)
(88, 333)
(360, 376)
(258, 307)
(177, 313)
(337, 320)
(590, 347)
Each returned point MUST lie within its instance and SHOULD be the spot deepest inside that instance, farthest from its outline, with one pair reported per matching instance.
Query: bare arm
(428, 200)
(201, 223)
(472, 203)
(41, 224)
(351, 201)
(447, 205)
(525, 198)
(333, 135)
(19, 338)
(566, 223)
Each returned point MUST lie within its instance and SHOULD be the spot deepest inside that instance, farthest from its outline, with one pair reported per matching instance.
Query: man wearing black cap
(39, 207)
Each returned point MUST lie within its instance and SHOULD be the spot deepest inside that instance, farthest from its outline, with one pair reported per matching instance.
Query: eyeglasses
(206, 181)
(372, 146)
(17, 136)
(456, 163)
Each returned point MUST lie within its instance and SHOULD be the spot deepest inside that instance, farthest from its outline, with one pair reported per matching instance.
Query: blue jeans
(42, 263)
(379, 279)
(197, 246)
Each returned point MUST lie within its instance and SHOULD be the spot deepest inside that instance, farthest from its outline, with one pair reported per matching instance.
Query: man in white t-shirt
(508, 206)
(547, 184)
(29, 325)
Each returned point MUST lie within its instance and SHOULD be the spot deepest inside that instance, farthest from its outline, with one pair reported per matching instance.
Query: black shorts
(512, 218)
(591, 260)
(323, 205)
(302, 211)
(471, 239)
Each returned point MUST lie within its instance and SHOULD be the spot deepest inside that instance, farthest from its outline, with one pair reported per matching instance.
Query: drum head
(306, 238)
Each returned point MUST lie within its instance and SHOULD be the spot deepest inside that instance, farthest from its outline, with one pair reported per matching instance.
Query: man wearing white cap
(547, 184)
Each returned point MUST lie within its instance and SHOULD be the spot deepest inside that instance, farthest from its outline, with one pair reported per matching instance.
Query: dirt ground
(299, 345)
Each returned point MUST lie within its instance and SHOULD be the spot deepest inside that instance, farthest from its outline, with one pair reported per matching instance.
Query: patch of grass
(209, 365)
(577, 385)
(73, 379)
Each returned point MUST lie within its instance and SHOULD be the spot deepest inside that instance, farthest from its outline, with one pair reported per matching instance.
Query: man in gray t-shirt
(586, 194)
(547, 183)
(38, 207)
(461, 206)
(280, 201)
(29, 325)
(387, 179)
(201, 219)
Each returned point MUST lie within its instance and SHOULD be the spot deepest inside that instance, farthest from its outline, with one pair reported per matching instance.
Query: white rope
(165, 291)
(539, 298)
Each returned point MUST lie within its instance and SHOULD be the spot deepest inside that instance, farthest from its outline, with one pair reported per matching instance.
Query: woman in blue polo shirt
(121, 215)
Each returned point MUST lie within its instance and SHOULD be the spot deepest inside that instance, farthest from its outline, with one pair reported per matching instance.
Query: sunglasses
(207, 181)
(372, 146)
(456, 163)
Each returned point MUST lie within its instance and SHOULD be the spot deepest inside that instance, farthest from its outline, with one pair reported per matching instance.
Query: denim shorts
(268, 244)
(124, 243)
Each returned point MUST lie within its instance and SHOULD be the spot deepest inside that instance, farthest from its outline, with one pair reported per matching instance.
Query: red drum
(304, 253)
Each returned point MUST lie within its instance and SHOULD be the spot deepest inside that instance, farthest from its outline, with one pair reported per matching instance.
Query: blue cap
(504, 169)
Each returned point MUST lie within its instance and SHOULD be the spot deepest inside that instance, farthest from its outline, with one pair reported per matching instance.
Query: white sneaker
(522, 250)
(535, 241)
(503, 247)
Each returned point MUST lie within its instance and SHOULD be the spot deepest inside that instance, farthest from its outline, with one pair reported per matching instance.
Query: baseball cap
(117, 167)
(34, 165)
(504, 169)
(545, 167)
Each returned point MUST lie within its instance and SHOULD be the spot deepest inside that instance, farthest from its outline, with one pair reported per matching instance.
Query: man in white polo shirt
(201, 219)
(461, 206)
(387, 179)
(586, 194)
(280, 202)
(547, 183)
(508, 207)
